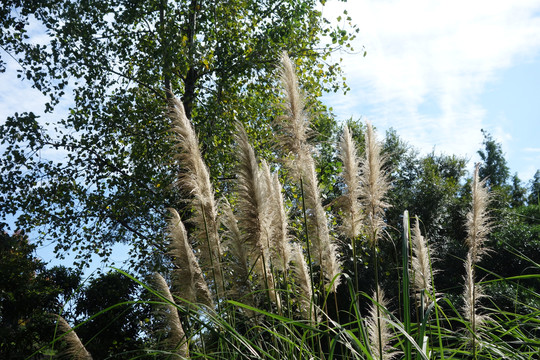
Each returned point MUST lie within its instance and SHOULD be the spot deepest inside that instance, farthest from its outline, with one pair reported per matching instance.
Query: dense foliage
(102, 173)
(29, 295)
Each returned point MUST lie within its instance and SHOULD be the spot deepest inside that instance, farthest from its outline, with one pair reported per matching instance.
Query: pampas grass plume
(294, 125)
(280, 229)
(478, 221)
(251, 194)
(294, 140)
(74, 347)
(302, 281)
(478, 227)
(195, 180)
(253, 211)
(379, 328)
(239, 260)
(421, 261)
(373, 187)
(177, 337)
(472, 295)
(187, 275)
(352, 218)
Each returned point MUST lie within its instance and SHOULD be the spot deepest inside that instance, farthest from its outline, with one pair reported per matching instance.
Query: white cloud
(16, 95)
(428, 62)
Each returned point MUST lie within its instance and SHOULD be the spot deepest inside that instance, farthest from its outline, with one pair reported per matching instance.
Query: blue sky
(436, 71)
(439, 71)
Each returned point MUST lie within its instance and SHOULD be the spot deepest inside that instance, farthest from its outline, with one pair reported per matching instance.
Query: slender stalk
(350, 203)
(406, 293)
(195, 181)
(478, 227)
(299, 160)
(378, 310)
(308, 248)
(310, 260)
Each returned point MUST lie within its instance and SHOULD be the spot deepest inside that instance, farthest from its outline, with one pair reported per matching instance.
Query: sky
(436, 71)
(440, 71)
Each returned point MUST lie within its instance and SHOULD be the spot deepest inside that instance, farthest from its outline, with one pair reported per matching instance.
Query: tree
(29, 293)
(518, 192)
(431, 187)
(534, 195)
(118, 328)
(121, 59)
(517, 250)
(494, 168)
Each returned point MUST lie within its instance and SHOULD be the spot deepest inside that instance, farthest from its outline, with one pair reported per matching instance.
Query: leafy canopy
(118, 60)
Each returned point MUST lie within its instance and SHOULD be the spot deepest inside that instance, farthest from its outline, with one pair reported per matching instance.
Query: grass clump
(251, 280)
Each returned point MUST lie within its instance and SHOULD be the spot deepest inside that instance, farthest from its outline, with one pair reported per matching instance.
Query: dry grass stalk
(472, 295)
(302, 281)
(280, 245)
(74, 347)
(352, 213)
(236, 247)
(294, 140)
(188, 278)
(253, 211)
(379, 328)
(478, 221)
(241, 289)
(195, 180)
(176, 336)
(294, 126)
(421, 261)
(478, 227)
(373, 187)
(324, 250)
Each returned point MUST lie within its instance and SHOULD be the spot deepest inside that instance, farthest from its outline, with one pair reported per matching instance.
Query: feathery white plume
(253, 214)
(420, 261)
(373, 187)
(294, 128)
(187, 275)
(302, 281)
(280, 248)
(379, 328)
(352, 216)
(74, 347)
(195, 180)
(176, 336)
(478, 221)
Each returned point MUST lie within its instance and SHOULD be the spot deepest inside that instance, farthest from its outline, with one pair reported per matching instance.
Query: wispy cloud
(428, 63)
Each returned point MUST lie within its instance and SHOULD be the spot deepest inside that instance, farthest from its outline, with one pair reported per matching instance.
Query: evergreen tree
(518, 192)
(494, 167)
(534, 194)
